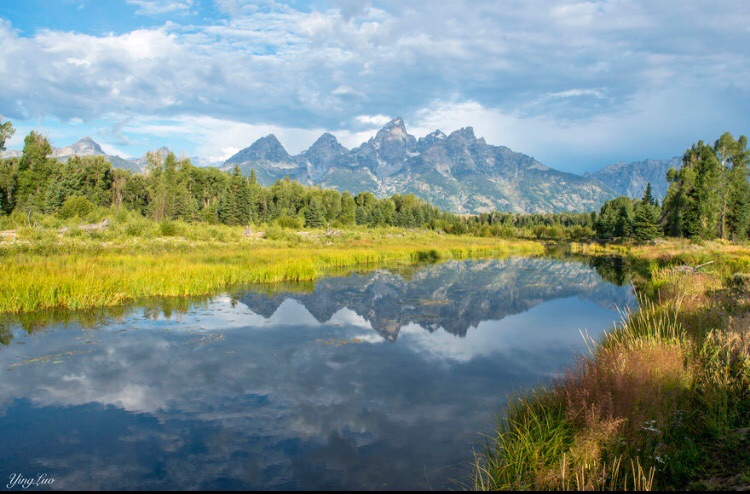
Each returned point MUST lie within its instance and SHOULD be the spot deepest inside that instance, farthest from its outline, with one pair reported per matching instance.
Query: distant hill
(630, 179)
(457, 172)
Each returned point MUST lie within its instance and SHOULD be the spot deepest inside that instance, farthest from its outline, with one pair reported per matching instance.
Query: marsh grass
(656, 403)
(134, 259)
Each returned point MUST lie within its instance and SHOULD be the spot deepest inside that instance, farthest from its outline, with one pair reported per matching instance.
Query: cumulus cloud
(342, 65)
(377, 120)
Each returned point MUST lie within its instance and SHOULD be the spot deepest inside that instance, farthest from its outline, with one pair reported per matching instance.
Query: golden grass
(82, 273)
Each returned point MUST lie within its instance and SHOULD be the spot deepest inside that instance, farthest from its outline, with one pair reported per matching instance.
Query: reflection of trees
(614, 269)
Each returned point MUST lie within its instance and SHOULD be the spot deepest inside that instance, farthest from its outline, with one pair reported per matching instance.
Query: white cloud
(378, 120)
(77, 62)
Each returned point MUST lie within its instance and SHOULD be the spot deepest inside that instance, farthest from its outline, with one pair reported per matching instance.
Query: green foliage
(615, 219)
(76, 206)
(290, 222)
(6, 132)
(645, 224)
(314, 214)
(709, 197)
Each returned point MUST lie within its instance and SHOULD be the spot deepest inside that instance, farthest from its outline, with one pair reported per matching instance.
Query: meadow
(58, 265)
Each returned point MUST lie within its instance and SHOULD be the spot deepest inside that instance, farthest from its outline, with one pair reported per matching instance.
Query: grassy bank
(663, 402)
(131, 259)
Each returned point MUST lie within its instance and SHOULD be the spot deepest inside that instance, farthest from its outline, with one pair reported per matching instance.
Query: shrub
(76, 206)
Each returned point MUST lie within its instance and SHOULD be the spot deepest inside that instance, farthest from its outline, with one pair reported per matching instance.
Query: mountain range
(457, 172)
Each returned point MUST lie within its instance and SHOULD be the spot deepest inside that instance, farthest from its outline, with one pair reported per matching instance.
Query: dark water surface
(369, 381)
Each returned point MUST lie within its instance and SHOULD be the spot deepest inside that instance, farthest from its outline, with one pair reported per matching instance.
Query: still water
(380, 380)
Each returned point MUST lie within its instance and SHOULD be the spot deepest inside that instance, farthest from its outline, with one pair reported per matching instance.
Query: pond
(379, 380)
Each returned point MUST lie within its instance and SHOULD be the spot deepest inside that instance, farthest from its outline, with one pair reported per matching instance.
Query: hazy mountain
(630, 179)
(10, 153)
(457, 172)
(88, 147)
(84, 147)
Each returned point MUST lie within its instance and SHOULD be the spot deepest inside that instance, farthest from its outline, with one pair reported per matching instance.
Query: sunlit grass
(44, 268)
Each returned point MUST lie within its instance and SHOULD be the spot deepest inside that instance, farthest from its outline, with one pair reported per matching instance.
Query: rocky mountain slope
(457, 172)
(88, 147)
(630, 179)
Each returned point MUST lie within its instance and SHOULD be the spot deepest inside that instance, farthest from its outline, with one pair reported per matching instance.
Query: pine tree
(648, 197)
(348, 214)
(704, 205)
(314, 214)
(645, 225)
(738, 195)
(6, 132)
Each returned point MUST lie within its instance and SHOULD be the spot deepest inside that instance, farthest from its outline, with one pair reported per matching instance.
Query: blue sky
(576, 84)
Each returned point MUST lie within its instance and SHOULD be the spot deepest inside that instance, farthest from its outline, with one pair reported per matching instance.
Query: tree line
(708, 197)
(173, 189)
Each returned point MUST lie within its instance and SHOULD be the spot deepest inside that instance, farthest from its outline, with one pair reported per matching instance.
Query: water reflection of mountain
(453, 295)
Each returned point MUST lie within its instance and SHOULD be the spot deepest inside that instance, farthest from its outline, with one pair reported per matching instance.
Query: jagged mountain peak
(87, 141)
(464, 134)
(82, 147)
(434, 137)
(326, 141)
(393, 130)
(456, 172)
(266, 148)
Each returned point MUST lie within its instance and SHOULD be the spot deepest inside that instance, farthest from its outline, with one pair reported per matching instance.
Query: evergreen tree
(738, 196)
(314, 214)
(348, 214)
(8, 185)
(645, 225)
(157, 186)
(234, 206)
(34, 173)
(648, 197)
(704, 205)
(615, 219)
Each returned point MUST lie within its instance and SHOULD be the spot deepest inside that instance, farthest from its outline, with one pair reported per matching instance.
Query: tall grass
(652, 404)
(45, 268)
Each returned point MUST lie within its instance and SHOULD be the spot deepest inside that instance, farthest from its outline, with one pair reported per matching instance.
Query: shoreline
(662, 402)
